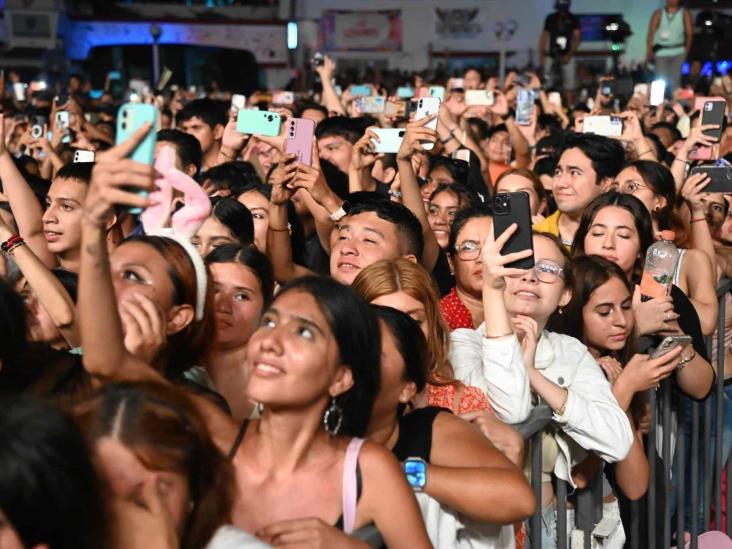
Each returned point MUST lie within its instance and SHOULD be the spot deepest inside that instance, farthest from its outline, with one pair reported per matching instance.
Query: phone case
(390, 139)
(658, 89)
(360, 91)
(603, 125)
(720, 178)
(256, 122)
(395, 108)
(669, 343)
(370, 105)
(130, 118)
(83, 156)
(427, 106)
(483, 98)
(437, 91)
(299, 139)
(713, 113)
(514, 208)
(283, 98)
(524, 107)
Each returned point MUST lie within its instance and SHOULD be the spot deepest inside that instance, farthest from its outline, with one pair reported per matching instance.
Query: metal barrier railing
(683, 464)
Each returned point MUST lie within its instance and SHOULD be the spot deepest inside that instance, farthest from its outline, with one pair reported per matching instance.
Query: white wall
(419, 18)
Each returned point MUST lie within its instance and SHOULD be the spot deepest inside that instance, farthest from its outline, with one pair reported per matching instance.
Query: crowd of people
(237, 346)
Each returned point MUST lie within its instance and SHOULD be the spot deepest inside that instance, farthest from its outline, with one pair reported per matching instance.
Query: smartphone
(370, 105)
(462, 154)
(238, 102)
(61, 100)
(405, 92)
(456, 84)
(390, 139)
(83, 156)
(640, 90)
(317, 60)
(670, 343)
(426, 107)
(555, 98)
(524, 107)
(283, 98)
(63, 121)
(299, 139)
(19, 91)
(609, 126)
(437, 91)
(38, 124)
(512, 208)
(395, 108)
(658, 91)
(713, 113)
(701, 153)
(720, 178)
(483, 98)
(699, 101)
(130, 118)
(258, 122)
(360, 91)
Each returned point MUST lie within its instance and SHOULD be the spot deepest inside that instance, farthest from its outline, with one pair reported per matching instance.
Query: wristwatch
(416, 470)
(340, 213)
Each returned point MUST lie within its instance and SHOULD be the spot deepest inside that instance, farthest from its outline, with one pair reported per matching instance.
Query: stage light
(291, 35)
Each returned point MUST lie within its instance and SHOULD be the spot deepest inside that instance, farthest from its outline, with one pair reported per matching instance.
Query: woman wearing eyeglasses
(511, 355)
(653, 184)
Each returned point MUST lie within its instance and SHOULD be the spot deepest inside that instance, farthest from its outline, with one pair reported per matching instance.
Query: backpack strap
(350, 484)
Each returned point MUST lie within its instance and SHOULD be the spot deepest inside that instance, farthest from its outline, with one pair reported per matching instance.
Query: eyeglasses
(548, 271)
(629, 187)
(468, 250)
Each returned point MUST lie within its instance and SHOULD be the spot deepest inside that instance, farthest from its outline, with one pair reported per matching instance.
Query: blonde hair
(388, 277)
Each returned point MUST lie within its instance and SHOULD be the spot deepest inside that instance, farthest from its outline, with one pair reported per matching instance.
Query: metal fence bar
(680, 468)
(707, 464)
(728, 502)
(719, 431)
(634, 524)
(665, 394)
(561, 514)
(651, 454)
(695, 435)
(535, 521)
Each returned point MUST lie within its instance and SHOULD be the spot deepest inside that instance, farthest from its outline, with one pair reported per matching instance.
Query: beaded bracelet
(10, 242)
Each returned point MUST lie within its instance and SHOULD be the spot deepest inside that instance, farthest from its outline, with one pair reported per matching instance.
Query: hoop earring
(561, 310)
(333, 418)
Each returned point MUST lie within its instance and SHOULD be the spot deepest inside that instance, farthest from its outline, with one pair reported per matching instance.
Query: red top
(472, 398)
(455, 312)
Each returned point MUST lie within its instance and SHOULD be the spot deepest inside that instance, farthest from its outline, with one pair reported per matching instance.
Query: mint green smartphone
(256, 122)
(130, 118)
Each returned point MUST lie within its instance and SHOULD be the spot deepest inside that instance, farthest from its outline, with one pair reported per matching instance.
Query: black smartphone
(720, 178)
(61, 100)
(713, 113)
(512, 208)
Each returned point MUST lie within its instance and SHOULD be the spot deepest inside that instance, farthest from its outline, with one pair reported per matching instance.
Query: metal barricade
(685, 498)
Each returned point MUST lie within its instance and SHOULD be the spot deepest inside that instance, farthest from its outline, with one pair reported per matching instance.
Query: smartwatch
(416, 471)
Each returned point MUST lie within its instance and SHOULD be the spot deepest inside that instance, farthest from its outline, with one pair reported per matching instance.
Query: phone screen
(658, 89)
(524, 107)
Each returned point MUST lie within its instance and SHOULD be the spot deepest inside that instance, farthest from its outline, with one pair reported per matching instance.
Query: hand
(631, 127)
(494, 264)
(692, 191)
(326, 70)
(527, 331)
(643, 372)
(281, 178)
(653, 315)
(697, 138)
(3, 142)
(500, 106)
(650, 56)
(233, 142)
(504, 437)
(307, 533)
(415, 133)
(611, 367)
(144, 326)
(117, 180)
(363, 155)
(455, 106)
(311, 179)
(143, 521)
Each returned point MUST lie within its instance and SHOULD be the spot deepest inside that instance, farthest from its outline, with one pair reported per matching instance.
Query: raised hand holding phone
(495, 264)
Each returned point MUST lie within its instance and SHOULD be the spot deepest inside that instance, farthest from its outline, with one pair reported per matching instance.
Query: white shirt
(230, 537)
(592, 419)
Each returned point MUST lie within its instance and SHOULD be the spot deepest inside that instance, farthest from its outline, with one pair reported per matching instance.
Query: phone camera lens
(270, 118)
(401, 133)
(124, 126)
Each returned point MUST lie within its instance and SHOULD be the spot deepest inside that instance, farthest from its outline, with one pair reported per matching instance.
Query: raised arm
(105, 355)
(48, 289)
(330, 98)
(416, 134)
(27, 210)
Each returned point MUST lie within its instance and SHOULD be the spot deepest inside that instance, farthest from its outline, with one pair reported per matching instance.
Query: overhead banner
(361, 30)
(458, 23)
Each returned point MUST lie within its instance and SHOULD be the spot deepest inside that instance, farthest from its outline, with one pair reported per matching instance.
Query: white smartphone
(462, 154)
(427, 106)
(238, 102)
(640, 90)
(658, 90)
(524, 107)
(482, 98)
(19, 91)
(609, 126)
(390, 139)
(555, 98)
(83, 156)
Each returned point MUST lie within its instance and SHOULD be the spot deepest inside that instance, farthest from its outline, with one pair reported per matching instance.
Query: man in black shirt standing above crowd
(557, 46)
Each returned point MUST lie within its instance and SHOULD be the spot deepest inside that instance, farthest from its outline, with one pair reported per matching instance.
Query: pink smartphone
(299, 139)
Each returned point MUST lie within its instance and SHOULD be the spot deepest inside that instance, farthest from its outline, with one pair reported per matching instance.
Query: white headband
(198, 266)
